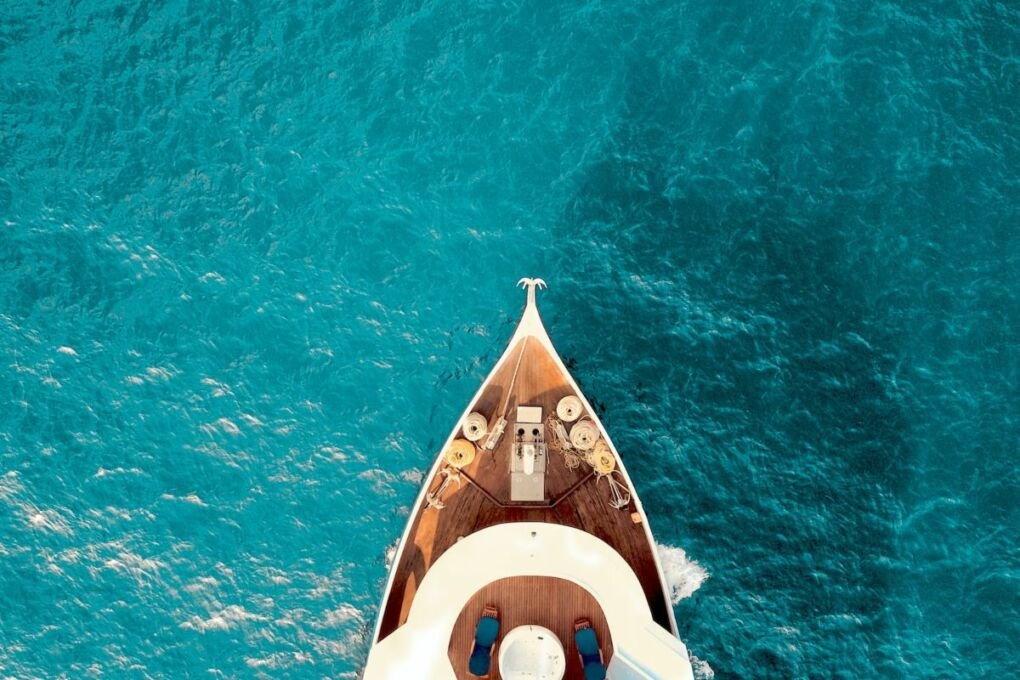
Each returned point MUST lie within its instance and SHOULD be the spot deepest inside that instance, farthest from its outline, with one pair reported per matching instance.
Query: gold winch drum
(603, 459)
(460, 453)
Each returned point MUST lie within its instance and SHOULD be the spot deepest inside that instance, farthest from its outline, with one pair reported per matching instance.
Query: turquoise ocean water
(255, 257)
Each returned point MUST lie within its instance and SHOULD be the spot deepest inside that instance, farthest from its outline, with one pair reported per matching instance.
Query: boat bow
(527, 465)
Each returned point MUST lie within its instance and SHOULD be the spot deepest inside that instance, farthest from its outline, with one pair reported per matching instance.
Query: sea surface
(256, 256)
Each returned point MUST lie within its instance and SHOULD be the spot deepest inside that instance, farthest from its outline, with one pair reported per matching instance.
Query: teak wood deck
(574, 498)
(531, 600)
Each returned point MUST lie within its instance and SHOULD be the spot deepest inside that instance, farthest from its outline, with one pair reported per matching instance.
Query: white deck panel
(419, 648)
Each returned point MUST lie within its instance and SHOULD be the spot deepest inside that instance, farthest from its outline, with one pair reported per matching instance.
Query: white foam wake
(683, 575)
(702, 671)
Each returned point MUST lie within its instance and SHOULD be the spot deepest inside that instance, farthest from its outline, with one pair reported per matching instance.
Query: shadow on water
(746, 371)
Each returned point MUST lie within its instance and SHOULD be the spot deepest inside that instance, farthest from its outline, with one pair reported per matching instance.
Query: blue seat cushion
(594, 671)
(480, 661)
(486, 631)
(587, 643)
(485, 636)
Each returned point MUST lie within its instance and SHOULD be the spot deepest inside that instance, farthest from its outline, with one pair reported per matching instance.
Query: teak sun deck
(539, 520)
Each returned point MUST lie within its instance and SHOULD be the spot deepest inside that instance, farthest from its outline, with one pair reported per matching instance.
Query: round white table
(531, 653)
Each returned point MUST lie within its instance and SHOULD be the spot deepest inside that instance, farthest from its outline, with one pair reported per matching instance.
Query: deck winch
(529, 456)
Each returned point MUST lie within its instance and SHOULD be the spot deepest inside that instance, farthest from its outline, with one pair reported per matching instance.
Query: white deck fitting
(531, 653)
(529, 414)
(528, 488)
(419, 648)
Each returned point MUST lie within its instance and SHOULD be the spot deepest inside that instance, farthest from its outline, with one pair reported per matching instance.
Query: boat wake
(702, 671)
(683, 575)
(391, 553)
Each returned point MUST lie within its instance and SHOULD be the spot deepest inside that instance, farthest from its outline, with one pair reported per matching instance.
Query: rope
(619, 494)
(571, 460)
(561, 442)
(513, 379)
(583, 435)
(497, 430)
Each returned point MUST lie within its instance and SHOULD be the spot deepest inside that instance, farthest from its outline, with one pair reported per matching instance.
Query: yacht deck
(541, 535)
(574, 498)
